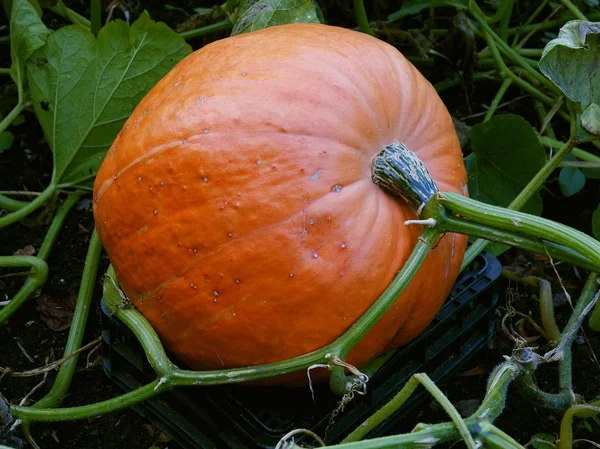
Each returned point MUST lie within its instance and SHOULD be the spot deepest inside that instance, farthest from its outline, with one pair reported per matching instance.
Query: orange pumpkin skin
(237, 207)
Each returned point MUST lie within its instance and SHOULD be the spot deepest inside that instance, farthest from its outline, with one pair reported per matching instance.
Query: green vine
(361, 17)
(40, 269)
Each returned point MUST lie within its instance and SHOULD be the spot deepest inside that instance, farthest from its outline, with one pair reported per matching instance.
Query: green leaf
(543, 441)
(507, 155)
(590, 119)
(27, 34)
(410, 7)
(571, 180)
(572, 62)
(254, 15)
(84, 89)
(6, 140)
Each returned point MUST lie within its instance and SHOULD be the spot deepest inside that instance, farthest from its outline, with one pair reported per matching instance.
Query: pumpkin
(237, 207)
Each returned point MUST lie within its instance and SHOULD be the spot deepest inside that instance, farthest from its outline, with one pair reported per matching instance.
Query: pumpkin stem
(400, 172)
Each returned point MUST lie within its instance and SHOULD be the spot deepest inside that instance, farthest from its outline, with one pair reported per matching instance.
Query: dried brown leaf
(28, 250)
(56, 312)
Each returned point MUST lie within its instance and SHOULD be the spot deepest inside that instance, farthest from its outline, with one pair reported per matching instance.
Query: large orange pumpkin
(237, 207)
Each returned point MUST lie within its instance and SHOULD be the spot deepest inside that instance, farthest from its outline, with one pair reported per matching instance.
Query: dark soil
(28, 166)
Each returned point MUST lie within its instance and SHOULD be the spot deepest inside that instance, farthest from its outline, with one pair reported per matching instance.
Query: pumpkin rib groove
(390, 65)
(418, 128)
(199, 137)
(395, 217)
(331, 78)
(293, 331)
(153, 235)
(199, 257)
(364, 97)
(211, 320)
(110, 181)
(365, 74)
(408, 108)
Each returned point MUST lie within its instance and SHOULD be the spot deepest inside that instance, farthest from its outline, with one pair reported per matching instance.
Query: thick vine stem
(84, 300)
(10, 204)
(538, 180)
(490, 234)
(31, 414)
(494, 438)
(587, 294)
(12, 115)
(150, 341)
(566, 425)
(399, 171)
(501, 218)
(478, 425)
(37, 278)
(565, 398)
(339, 348)
(529, 389)
(490, 408)
(31, 207)
(170, 376)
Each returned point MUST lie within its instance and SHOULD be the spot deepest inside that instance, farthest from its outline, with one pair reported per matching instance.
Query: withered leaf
(57, 312)
(28, 250)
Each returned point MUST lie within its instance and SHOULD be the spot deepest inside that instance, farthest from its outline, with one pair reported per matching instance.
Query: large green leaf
(410, 7)
(572, 62)
(83, 89)
(507, 154)
(27, 34)
(257, 14)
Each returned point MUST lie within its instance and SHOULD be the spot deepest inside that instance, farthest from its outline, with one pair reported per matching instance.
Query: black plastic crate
(240, 417)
